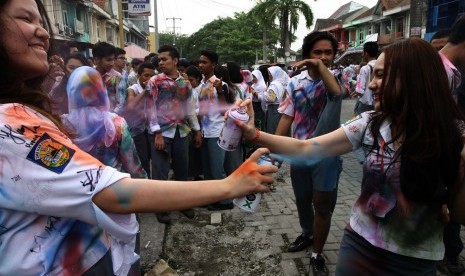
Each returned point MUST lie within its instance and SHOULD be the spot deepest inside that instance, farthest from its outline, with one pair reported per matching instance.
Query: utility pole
(174, 27)
(155, 11)
(121, 30)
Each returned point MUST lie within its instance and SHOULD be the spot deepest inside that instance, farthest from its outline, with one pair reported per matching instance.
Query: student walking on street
(173, 118)
(313, 108)
(365, 102)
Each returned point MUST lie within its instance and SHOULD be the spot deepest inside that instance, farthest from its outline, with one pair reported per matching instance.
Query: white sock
(314, 255)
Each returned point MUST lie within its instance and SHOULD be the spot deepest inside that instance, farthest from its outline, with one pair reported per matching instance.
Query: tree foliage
(237, 38)
(287, 12)
(168, 39)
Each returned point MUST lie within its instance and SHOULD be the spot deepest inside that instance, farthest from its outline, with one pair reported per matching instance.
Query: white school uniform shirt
(212, 119)
(47, 215)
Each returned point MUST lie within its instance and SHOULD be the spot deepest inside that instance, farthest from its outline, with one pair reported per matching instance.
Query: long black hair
(415, 95)
(223, 73)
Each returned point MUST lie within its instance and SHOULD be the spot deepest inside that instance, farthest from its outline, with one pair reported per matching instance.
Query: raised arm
(320, 68)
(331, 144)
(141, 195)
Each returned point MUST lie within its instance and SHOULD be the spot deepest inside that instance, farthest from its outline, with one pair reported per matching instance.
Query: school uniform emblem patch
(50, 154)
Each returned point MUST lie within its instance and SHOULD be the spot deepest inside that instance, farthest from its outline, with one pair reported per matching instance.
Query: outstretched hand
(248, 129)
(250, 177)
(56, 68)
(218, 83)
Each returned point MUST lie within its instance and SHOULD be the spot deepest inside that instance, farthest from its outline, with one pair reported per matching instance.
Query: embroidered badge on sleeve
(50, 154)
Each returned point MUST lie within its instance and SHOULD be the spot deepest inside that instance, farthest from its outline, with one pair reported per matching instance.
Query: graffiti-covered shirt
(173, 104)
(116, 87)
(122, 154)
(210, 109)
(382, 214)
(305, 101)
(49, 224)
(138, 117)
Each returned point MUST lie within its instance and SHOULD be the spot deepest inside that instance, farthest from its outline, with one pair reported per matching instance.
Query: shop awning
(135, 51)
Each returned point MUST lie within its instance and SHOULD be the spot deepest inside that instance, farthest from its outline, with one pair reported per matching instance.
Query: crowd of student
(75, 159)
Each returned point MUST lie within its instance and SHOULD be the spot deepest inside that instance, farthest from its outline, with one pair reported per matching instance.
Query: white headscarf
(89, 109)
(260, 86)
(279, 81)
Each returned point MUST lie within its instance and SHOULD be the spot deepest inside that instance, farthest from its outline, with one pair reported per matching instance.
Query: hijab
(279, 82)
(260, 86)
(247, 76)
(89, 109)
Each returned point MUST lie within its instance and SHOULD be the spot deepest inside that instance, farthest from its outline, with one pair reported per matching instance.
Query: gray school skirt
(359, 257)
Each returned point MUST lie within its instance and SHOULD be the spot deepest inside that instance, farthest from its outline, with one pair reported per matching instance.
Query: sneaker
(300, 243)
(189, 213)
(318, 266)
(163, 218)
(219, 206)
(451, 266)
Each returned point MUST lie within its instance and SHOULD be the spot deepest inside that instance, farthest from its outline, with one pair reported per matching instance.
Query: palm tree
(287, 12)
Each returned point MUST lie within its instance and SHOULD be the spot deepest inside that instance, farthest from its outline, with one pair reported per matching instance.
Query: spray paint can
(231, 134)
(251, 202)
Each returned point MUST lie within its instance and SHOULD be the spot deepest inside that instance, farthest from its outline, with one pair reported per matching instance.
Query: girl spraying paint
(411, 168)
(62, 211)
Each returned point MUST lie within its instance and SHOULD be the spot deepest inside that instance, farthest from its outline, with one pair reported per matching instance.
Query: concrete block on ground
(265, 253)
(215, 218)
(288, 267)
(162, 268)
(294, 255)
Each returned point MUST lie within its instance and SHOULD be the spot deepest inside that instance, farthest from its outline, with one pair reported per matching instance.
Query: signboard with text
(139, 7)
(415, 31)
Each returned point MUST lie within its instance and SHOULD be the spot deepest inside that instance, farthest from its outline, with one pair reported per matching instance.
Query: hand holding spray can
(231, 134)
(250, 203)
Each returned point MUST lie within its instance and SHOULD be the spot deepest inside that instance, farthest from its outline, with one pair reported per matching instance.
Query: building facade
(90, 21)
(389, 20)
(442, 15)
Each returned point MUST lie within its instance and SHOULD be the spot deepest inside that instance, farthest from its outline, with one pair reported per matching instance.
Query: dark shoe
(189, 213)
(451, 266)
(318, 266)
(163, 218)
(300, 244)
(219, 206)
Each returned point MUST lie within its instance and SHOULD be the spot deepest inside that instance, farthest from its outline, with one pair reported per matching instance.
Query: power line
(176, 6)
(207, 6)
(226, 5)
(174, 27)
(163, 14)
